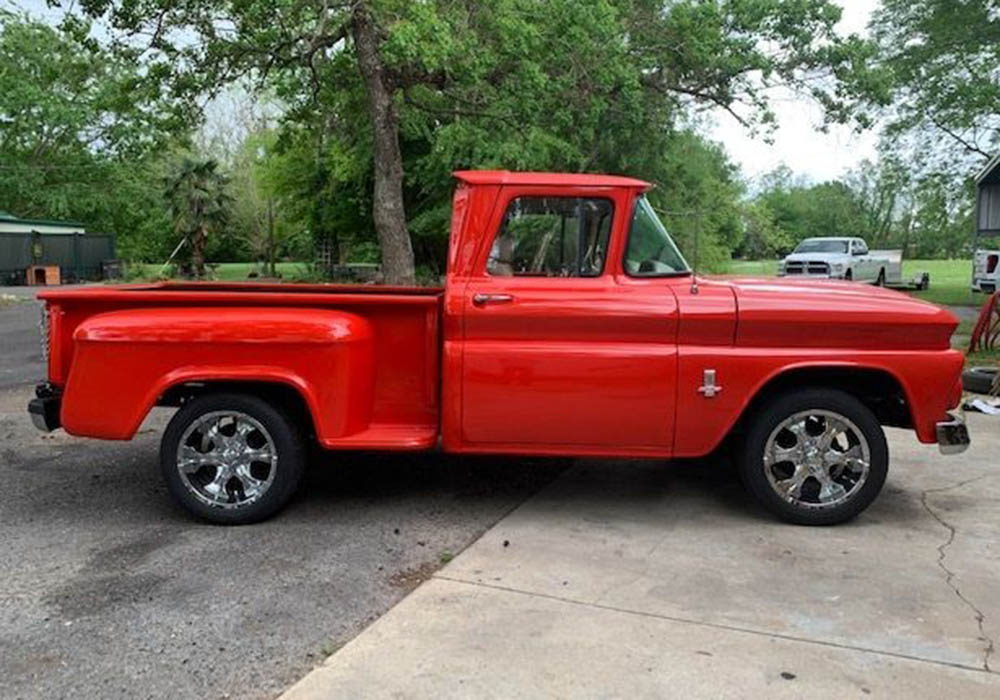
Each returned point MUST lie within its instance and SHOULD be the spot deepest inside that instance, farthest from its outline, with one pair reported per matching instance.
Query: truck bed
(405, 325)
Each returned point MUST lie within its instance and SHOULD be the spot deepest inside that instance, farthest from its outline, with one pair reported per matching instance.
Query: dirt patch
(410, 578)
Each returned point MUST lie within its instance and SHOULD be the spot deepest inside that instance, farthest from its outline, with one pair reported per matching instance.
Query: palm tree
(199, 204)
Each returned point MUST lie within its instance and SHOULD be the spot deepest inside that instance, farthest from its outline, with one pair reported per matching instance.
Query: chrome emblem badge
(709, 388)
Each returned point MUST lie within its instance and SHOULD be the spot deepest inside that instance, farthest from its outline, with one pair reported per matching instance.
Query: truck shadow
(705, 484)
(338, 478)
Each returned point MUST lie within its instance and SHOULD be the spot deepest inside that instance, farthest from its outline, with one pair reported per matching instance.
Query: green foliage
(80, 134)
(697, 196)
(603, 85)
(802, 210)
(199, 203)
(261, 222)
(929, 216)
(762, 237)
(940, 58)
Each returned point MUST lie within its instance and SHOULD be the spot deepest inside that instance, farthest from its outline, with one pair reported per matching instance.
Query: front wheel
(849, 275)
(880, 281)
(815, 457)
(232, 458)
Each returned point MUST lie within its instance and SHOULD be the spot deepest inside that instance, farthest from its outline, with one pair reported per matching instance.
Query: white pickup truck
(841, 258)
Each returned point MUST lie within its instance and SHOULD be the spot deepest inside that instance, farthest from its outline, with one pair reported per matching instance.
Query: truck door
(557, 355)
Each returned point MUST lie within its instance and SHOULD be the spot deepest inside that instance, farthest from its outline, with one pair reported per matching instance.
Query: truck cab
(569, 324)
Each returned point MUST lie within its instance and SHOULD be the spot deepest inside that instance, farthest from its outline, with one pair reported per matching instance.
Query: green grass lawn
(234, 272)
(949, 278)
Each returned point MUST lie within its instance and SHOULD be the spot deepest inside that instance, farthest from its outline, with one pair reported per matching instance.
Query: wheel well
(280, 395)
(877, 389)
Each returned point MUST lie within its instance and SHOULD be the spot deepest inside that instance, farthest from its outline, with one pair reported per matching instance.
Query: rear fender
(124, 361)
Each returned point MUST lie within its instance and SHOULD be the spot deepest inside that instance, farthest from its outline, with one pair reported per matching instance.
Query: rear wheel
(232, 458)
(849, 275)
(880, 282)
(815, 457)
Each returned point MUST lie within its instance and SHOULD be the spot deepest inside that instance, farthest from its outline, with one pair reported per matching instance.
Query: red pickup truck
(569, 324)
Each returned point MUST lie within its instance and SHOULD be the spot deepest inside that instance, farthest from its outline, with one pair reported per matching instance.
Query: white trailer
(894, 272)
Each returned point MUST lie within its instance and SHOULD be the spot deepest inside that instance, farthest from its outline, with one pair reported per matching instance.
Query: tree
(196, 191)
(81, 135)
(763, 238)
(882, 191)
(938, 63)
(520, 83)
(259, 214)
(802, 210)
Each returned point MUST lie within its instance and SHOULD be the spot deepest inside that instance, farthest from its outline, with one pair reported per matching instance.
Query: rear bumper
(44, 408)
(952, 436)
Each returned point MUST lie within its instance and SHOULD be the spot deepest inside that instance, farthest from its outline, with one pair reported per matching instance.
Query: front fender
(123, 361)
(928, 380)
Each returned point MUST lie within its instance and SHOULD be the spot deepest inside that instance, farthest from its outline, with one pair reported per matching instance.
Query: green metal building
(24, 242)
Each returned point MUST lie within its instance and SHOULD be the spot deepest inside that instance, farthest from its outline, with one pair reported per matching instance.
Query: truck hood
(831, 313)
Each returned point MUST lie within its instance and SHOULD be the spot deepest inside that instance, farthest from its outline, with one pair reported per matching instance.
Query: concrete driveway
(639, 580)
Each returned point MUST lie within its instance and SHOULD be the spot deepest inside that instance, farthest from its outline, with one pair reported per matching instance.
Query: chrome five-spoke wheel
(816, 458)
(227, 459)
(233, 458)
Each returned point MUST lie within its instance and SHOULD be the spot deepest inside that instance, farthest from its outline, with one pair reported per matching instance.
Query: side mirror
(858, 251)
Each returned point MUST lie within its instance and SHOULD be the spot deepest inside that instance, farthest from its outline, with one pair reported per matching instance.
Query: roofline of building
(41, 222)
(988, 168)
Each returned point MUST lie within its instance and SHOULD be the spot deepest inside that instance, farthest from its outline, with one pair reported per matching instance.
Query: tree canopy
(78, 131)
(394, 95)
(373, 104)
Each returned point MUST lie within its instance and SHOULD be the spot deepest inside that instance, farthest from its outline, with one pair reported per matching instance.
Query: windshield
(651, 252)
(819, 245)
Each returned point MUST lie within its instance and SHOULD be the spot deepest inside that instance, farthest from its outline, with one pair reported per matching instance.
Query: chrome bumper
(952, 436)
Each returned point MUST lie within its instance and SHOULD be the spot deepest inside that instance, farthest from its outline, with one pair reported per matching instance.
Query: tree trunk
(270, 237)
(198, 252)
(388, 209)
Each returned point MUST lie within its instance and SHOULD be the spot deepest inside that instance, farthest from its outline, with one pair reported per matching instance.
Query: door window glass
(552, 237)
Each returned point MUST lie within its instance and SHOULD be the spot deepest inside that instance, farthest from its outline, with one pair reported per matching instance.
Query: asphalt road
(20, 350)
(107, 589)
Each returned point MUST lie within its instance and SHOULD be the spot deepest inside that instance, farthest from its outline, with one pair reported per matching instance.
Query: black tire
(979, 380)
(880, 282)
(289, 451)
(849, 275)
(772, 414)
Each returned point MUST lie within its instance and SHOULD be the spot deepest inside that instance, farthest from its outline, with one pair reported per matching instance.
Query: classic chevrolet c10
(569, 324)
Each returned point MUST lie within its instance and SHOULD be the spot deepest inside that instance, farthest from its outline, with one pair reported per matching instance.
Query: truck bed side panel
(405, 353)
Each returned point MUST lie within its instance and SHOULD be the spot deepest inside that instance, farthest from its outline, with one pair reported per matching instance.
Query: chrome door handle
(484, 299)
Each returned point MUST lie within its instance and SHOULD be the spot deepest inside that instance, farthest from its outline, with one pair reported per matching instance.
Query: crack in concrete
(950, 575)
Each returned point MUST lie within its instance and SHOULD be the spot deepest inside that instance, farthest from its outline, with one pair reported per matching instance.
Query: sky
(797, 142)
